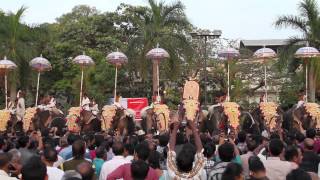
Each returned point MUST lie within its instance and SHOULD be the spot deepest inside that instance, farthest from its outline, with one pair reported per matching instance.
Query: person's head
(298, 174)
(308, 144)
(72, 138)
(34, 169)
(226, 152)
(163, 140)
(71, 175)
(78, 149)
(300, 137)
(128, 149)
(186, 157)
(4, 162)
(275, 147)
(139, 170)
(209, 150)
(311, 133)
(154, 159)
(251, 144)
(86, 170)
(233, 171)
(242, 136)
(293, 154)
(15, 156)
(49, 156)
(256, 168)
(142, 151)
(101, 153)
(117, 148)
(23, 141)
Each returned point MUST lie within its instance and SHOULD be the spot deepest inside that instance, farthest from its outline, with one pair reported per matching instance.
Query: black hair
(186, 157)
(78, 149)
(274, 136)
(298, 174)
(142, 150)
(275, 147)
(117, 148)
(130, 148)
(139, 170)
(242, 136)
(34, 169)
(232, 171)
(23, 141)
(154, 159)
(100, 152)
(255, 164)
(72, 138)
(50, 154)
(251, 144)
(209, 149)
(291, 152)
(311, 133)
(163, 140)
(98, 140)
(300, 137)
(226, 152)
(180, 139)
(4, 159)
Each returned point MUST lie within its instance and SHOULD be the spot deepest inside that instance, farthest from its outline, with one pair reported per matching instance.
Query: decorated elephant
(155, 118)
(118, 119)
(302, 117)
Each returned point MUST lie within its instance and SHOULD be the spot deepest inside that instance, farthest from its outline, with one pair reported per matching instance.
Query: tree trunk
(311, 84)
(155, 65)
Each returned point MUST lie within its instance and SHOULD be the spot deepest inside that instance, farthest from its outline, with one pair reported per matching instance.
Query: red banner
(137, 104)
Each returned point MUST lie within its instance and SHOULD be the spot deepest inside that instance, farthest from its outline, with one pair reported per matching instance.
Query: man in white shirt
(118, 160)
(4, 167)
(276, 168)
(50, 156)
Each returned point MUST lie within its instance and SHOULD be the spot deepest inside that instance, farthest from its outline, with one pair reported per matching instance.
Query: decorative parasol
(84, 61)
(307, 53)
(116, 58)
(156, 55)
(228, 54)
(265, 54)
(6, 65)
(39, 64)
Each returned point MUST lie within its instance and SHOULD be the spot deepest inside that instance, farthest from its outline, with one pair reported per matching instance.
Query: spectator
(128, 152)
(233, 172)
(71, 175)
(298, 174)
(142, 152)
(189, 164)
(34, 169)
(154, 162)
(276, 168)
(209, 150)
(101, 157)
(311, 133)
(293, 154)
(15, 163)
(4, 167)
(310, 160)
(139, 170)
(86, 171)
(242, 142)
(66, 153)
(78, 152)
(251, 146)
(26, 154)
(50, 156)
(115, 162)
(257, 169)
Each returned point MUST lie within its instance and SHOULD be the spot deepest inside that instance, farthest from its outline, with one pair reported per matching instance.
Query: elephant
(155, 118)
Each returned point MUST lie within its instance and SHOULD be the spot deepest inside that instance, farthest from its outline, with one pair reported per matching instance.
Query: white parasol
(6, 65)
(39, 64)
(116, 58)
(307, 53)
(228, 54)
(265, 54)
(156, 55)
(84, 61)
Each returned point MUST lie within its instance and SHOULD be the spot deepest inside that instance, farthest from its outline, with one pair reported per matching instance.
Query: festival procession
(144, 90)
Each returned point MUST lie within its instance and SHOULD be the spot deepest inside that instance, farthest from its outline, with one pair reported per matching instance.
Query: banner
(137, 104)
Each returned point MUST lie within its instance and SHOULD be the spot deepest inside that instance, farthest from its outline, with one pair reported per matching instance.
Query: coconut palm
(308, 24)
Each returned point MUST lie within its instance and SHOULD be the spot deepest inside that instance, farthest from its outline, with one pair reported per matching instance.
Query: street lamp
(206, 35)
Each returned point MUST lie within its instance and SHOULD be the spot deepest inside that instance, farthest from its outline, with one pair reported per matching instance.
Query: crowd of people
(181, 153)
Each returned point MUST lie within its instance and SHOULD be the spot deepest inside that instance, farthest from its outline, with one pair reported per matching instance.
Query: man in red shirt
(128, 171)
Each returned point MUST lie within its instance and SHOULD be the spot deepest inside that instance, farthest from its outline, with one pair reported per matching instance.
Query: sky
(238, 19)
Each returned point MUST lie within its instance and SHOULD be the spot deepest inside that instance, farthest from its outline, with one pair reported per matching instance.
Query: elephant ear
(190, 99)
(30, 113)
(269, 113)
(4, 118)
(313, 110)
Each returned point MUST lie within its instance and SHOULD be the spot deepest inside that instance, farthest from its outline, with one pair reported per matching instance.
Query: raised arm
(196, 136)
(173, 135)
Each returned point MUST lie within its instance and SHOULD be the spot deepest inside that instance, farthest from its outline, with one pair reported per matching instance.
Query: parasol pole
(81, 85)
(306, 80)
(6, 87)
(37, 88)
(158, 82)
(265, 83)
(228, 66)
(115, 84)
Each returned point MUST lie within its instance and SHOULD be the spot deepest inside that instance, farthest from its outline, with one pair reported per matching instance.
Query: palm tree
(307, 23)
(163, 24)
